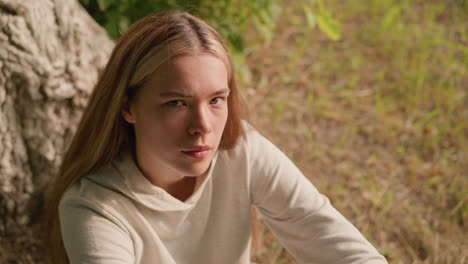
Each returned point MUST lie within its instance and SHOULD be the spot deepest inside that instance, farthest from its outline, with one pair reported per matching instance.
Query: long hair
(102, 131)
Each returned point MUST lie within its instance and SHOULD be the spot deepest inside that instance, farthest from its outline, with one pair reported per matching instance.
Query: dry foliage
(378, 120)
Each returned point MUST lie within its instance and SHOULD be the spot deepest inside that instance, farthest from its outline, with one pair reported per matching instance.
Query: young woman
(164, 168)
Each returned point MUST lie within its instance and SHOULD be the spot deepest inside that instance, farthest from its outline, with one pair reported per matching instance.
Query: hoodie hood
(123, 176)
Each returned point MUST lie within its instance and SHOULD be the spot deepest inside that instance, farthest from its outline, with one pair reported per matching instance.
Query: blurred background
(368, 98)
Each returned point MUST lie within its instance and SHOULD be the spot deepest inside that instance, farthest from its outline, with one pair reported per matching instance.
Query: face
(179, 115)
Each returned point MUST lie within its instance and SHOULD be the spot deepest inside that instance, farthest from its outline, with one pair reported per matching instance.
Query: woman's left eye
(217, 101)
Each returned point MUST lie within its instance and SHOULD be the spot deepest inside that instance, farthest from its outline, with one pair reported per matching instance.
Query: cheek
(153, 118)
(169, 126)
(148, 123)
(220, 120)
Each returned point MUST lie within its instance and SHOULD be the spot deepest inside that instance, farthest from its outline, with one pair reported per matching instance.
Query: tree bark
(51, 52)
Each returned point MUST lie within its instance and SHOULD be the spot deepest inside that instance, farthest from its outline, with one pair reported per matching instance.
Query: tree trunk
(50, 54)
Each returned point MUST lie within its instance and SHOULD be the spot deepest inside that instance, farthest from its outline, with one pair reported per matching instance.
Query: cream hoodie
(116, 216)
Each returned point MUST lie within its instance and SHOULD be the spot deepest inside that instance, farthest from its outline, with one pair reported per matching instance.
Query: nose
(200, 122)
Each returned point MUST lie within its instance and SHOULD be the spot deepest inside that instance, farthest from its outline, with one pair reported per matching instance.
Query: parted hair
(102, 132)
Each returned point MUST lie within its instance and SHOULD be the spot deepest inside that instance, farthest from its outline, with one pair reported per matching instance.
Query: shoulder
(257, 146)
(93, 221)
(250, 140)
(241, 151)
(254, 152)
(100, 191)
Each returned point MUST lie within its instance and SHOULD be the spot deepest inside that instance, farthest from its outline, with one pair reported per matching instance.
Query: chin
(195, 170)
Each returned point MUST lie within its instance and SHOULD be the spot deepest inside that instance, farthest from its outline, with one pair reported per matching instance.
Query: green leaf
(112, 23)
(326, 23)
(104, 4)
(391, 16)
(310, 16)
(237, 41)
(124, 23)
(329, 26)
(263, 29)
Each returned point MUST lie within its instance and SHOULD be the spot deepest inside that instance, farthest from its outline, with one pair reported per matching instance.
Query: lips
(197, 151)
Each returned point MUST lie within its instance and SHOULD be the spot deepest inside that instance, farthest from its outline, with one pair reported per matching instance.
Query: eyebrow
(179, 94)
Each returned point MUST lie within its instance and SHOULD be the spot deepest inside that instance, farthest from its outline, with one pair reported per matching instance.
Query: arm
(303, 219)
(91, 236)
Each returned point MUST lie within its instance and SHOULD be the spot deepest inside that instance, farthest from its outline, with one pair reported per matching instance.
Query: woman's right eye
(175, 103)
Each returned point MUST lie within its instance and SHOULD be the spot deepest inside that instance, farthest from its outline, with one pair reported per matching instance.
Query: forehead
(190, 72)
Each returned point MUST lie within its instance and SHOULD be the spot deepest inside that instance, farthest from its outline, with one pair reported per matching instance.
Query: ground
(377, 120)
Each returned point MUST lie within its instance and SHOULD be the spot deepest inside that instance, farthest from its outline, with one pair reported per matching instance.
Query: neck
(183, 189)
(179, 186)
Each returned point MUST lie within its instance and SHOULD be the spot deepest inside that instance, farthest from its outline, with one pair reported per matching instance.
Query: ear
(127, 112)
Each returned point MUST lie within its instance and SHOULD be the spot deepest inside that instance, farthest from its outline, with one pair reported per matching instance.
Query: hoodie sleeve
(91, 235)
(303, 219)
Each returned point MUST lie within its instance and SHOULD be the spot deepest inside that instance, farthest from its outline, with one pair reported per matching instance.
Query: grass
(380, 116)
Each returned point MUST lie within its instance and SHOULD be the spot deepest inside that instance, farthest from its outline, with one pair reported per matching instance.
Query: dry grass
(377, 120)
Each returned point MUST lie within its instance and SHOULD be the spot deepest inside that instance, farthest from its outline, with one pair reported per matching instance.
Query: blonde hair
(102, 131)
